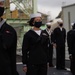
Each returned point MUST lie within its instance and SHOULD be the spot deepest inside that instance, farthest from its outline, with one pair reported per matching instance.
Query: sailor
(34, 48)
(71, 47)
(59, 34)
(8, 44)
(49, 32)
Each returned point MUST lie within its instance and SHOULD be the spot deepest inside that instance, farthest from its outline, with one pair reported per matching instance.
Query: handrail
(25, 9)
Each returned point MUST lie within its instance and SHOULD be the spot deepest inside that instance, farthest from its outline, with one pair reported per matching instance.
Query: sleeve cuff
(70, 54)
(24, 65)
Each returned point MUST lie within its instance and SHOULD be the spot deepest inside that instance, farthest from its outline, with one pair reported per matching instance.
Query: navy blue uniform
(59, 39)
(50, 47)
(8, 42)
(34, 52)
(71, 48)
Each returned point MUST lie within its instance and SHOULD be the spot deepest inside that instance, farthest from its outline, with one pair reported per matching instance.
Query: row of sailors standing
(37, 48)
(57, 39)
(35, 45)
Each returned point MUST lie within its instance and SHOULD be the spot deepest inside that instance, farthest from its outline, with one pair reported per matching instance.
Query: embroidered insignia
(44, 34)
(7, 31)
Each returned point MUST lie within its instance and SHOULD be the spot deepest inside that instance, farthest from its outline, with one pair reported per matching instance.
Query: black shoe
(63, 68)
(51, 65)
(58, 68)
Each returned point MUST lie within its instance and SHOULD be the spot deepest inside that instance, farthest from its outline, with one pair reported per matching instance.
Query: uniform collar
(48, 31)
(1, 23)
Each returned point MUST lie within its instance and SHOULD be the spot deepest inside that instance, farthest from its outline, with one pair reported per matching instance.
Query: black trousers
(40, 69)
(60, 57)
(50, 59)
(72, 65)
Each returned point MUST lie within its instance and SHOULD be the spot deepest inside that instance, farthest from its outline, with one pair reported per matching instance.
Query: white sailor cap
(60, 21)
(35, 15)
(72, 24)
(48, 23)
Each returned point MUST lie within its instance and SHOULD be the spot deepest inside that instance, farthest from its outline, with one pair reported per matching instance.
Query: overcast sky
(52, 7)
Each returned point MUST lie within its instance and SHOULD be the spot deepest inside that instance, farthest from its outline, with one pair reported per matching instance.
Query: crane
(20, 25)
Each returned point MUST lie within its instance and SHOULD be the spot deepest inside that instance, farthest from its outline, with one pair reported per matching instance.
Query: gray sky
(52, 7)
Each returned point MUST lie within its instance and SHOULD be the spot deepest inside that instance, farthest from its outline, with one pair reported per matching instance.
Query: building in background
(68, 13)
